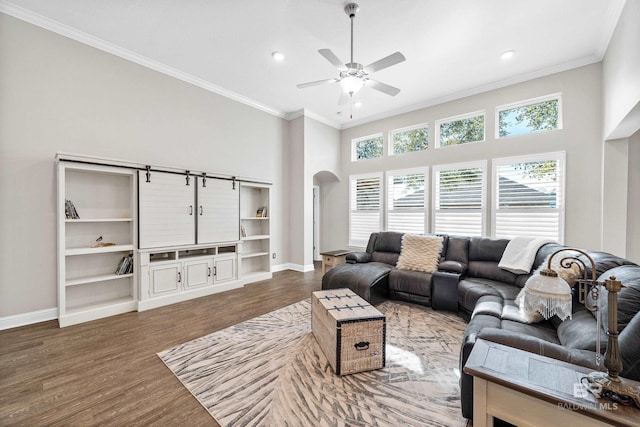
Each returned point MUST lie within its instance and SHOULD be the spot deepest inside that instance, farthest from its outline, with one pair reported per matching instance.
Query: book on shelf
(70, 210)
(261, 212)
(125, 266)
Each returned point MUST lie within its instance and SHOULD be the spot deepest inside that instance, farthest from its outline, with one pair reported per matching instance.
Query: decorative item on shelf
(243, 231)
(261, 212)
(609, 384)
(70, 210)
(100, 244)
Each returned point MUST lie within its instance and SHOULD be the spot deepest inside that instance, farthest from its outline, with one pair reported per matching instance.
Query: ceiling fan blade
(316, 83)
(383, 87)
(331, 57)
(344, 98)
(383, 63)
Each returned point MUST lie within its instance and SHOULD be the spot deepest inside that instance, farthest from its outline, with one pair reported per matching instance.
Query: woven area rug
(270, 371)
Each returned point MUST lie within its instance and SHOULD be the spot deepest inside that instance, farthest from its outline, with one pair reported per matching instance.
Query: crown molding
(308, 113)
(581, 62)
(98, 43)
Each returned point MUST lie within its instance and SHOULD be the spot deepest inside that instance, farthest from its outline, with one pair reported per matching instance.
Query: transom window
(368, 147)
(460, 129)
(406, 140)
(533, 115)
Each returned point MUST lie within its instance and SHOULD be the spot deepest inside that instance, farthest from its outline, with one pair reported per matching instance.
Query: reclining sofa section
(469, 281)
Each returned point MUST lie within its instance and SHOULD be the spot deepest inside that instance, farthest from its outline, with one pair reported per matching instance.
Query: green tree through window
(410, 140)
(537, 117)
(369, 148)
(462, 131)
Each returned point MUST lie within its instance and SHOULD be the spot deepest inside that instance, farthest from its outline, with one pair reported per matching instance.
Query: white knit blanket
(520, 253)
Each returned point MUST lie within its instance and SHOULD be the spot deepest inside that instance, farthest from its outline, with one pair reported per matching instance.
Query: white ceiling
(452, 46)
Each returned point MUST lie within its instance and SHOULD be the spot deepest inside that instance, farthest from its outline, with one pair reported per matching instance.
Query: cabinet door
(166, 210)
(218, 211)
(198, 273)
(225, 270)
(165, 278)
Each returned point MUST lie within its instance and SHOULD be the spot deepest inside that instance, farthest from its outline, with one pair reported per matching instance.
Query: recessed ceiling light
(357, 104)
(507, 54)
(278, 56)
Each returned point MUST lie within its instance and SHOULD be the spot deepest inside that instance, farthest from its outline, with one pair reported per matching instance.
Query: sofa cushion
(628, 297)
(486, 249)
(473, 288)
(390, 258)
(420, 253)
(388, 241)
(490, 270)
(411, 282)
(581, 332)
(458, 249)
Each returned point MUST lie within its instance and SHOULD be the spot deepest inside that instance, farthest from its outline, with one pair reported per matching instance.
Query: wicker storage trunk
(350, 331)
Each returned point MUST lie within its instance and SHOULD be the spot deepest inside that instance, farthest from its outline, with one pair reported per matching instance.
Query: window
(406, 140)
(460, 129)
(365, 201)
(459, 199)
(368, 147)
(533, 115)
(406, 201)
(529, 196)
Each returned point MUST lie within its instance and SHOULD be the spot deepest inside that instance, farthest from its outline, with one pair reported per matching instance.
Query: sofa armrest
(535, 345)
(358, 257)
(453, 267)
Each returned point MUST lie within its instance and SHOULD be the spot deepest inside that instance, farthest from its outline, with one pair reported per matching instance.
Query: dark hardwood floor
(106, 372)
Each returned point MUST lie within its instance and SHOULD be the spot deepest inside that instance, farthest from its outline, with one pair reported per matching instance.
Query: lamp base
(616, 389)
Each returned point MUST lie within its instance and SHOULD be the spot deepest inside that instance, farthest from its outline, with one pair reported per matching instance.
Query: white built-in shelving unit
(105, 199)
(255, 232)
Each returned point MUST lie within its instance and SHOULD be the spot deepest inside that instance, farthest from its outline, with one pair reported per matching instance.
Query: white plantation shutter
(459, 199)
(529, 199)
(365, 215)
(406, 191)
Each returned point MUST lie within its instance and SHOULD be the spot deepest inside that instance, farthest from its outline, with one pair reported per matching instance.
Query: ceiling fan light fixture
(351, 84)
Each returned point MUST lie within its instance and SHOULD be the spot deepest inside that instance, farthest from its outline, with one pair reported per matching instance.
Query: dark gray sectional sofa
(470, 282)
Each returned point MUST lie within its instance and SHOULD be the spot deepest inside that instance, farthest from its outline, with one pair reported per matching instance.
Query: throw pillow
(420, 253)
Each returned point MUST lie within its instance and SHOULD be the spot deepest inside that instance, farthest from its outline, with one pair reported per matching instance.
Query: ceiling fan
(353, 76)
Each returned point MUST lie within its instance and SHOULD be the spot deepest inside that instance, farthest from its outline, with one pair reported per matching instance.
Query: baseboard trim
(23, 319)
(295, 267)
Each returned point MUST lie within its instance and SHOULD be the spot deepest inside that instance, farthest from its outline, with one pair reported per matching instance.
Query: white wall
(295, 228)
(61, 95)
(580, 138)
(621, 75)
(633, 197)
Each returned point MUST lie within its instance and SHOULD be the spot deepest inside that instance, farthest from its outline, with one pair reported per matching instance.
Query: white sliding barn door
(167, 210)
(218, 211)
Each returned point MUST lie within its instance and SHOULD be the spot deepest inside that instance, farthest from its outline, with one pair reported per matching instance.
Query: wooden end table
(528, 389)
(332, 258)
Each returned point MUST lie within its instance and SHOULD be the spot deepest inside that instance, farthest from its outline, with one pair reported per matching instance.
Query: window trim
(405, 129)
(482, 164)
(354, 143)
(381, 177)
(559, 156)
(482, 113)
(523, 103)
(400, 172)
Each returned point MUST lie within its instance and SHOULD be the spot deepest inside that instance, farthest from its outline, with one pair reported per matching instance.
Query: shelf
(102, 250)
(110, 304)
(94, 279)
(254, 217)
(254, 254)
(98, 220)
(257, 237)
